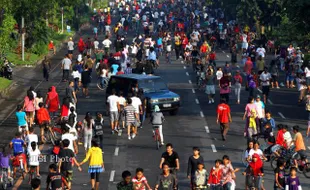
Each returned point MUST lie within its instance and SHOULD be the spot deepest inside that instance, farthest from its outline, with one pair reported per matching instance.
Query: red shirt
(223, 110)
(280, 138)
(64, 111)
(212, 56)
(215, 177)
(42, 115)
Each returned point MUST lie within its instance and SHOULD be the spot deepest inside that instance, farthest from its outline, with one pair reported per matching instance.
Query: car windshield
(153, 85)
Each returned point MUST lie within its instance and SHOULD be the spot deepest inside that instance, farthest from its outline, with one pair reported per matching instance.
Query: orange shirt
(204, 48)
(50, 46)
(42, 115)
(299, 142)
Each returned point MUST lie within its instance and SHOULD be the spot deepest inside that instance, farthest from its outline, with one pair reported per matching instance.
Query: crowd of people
(193, 31)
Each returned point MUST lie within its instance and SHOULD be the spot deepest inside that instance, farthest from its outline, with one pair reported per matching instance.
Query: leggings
(87, 138)
(237, 91)
(93, 175)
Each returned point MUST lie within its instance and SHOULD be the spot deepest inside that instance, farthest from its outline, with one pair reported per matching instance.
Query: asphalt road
(194, 125)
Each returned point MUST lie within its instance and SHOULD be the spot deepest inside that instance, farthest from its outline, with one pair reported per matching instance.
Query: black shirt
(85, 77)
(193, 164)
(55, 179)
(69, 92)
(281, 176)
(171, 159)
(66, 156)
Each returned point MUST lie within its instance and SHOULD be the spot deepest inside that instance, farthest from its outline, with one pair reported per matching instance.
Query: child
(17, 144)
(56, 150)
(5, 162)
(21, 118)
(139, 181)
(126, 183)
(33, 157)
(252, 130)
(219, 74)
(200, 175)
(215, 175)
(292, 182)
(269, 119)
(279, 172)
(55, 179)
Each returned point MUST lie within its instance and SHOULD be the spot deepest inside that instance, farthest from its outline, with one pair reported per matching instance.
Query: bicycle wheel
(306, 170)
(52, 140)
(243, 158)
(157, 139)
(100, 85)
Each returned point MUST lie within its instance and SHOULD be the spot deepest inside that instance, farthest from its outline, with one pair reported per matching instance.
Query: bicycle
(157, 137)
(5, 178)
(102, 84)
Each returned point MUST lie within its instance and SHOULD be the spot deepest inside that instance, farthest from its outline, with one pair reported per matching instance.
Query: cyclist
(157, 119)
(166, 180)
(172, 159)
(21, 119)
(254, 172)
(43, 119)
(152, 57)
(201, 176)
(193, 165)
(33, 158)
(17, 144)
(215, 176)
(299, 144)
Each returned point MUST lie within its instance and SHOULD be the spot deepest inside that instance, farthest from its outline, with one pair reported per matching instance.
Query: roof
(136, 76)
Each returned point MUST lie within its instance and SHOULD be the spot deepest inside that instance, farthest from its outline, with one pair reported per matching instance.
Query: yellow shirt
(94, 155)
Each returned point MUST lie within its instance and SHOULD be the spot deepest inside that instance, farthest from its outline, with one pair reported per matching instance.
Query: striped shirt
(130, 114)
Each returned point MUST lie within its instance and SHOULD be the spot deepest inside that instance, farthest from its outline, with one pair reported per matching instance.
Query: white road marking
(201, 114)
(281, 115)
(193, 90)
(207, 129)
(184, 67)
(259, 90)
(213, 148)
(227, 56)
(187, 73)
(223, 51)
(120, 133)
(197, 101)
(269, 101)
(116, 151)
(189, 81)
(112, 174)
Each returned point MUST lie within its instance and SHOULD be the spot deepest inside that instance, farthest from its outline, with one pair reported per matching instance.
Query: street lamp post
(62, 19)
(23, 39)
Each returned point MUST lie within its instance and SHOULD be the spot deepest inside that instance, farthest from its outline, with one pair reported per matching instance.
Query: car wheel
(173, 112)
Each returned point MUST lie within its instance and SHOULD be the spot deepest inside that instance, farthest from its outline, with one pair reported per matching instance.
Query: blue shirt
(95, 30)
(152, 56)
(221, 26)
(21, 121)
(18, 145)
(159, 41)
(115, 67)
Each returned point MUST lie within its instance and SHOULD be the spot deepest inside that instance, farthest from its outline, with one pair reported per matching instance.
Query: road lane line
(193, 90)
(112, 174)
(223, 51)
(201, 114)
(116, 151)
(187, 73)
(259, 90)
(189, 81)
(281, 115)
(197, 101)
(269, 101)
(213, 148)
(184, 67)
(207, 129)
(227, 56)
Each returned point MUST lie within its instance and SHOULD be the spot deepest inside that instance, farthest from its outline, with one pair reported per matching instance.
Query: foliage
(6, 41)
(4, 83)
(30, 58)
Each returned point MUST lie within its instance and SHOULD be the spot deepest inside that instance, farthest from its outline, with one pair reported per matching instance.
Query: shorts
(210, 89)
(274, 78)
(122, 116)
(114, 116)
(289, 78)
(20, 128)
(86, 85)
(265, 90)
(132, 124)
(18, 156)
(68, 175)
(30, 114)
(302, 154)
(70, 51)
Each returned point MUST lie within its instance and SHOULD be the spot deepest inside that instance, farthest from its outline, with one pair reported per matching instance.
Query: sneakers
(129, 138)
(133, 136)
(212, 100)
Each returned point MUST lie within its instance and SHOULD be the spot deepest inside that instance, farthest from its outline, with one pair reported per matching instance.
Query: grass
(16, 59)
(4, 83)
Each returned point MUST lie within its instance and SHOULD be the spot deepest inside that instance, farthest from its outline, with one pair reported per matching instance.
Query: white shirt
(71, 45)
(66, 63)
(136, 103)
(31, 138)
(258, 151)
(144, 17)
(104, 73)
(219, 75)
(107, 43)
(33, 157)
(96, 44)
(121, 101)
(265, 78)
(107, 28)
(76, 74)
(112, 100)
(260, 106)
(71, 138)
(288, 138)
(156, 14)
(261, 51)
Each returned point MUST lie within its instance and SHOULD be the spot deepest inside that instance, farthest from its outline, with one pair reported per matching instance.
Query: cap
(258, 96)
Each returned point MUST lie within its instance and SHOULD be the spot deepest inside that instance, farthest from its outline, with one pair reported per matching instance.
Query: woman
(225, 86)
(255, 169)
(274, 71)
(29, 107)
(238, 84)
(260, 65)
(81, 46)
(157, 119)
(52, 101)
(88, 125)
(38, 99)
(193, 165)
(96, 165)
(249, 109)
(252, 83)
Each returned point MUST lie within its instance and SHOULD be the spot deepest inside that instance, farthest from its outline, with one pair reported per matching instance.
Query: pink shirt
(249, 107)
(139, 184)
(29, 105)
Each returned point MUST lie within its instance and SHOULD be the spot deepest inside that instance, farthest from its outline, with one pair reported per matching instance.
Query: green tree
(6, 42)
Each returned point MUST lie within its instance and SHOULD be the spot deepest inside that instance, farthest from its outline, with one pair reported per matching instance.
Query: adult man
(171, 158)
(106, 44)
(112, 103)
(265, 78)
(223, 117)
(46, 66)
(66, 67)
(260, 107)
(131, 119)
(137, 104)
(70, 92)
(86, 79)
(70, 48)
(261, 51)
(166, 180)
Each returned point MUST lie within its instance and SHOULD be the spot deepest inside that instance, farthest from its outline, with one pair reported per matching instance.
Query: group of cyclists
(194, 31)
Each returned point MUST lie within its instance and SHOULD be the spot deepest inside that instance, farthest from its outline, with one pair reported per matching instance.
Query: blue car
(154, 88)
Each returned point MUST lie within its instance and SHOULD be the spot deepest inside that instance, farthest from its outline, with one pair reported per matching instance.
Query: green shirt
(124, 186)
(99, 56)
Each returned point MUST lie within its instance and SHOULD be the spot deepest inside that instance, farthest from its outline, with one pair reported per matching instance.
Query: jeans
(237, 91)
(100, 139)
(45, 74)
(252, 92)
(88, 134)
(142, 118)
(103, 81)
(65, 74)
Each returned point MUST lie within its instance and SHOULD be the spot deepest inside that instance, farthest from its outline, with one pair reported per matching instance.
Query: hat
(156, 108)
(258, 96)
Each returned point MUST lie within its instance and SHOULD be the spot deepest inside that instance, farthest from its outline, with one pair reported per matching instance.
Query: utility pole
(91, 3)
(62, 19)
(23, 39)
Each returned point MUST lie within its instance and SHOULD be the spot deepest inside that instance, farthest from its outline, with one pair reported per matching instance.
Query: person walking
(96, 164)
(225, 87)
(238, 84)
(223, 117)
(52, 101)
(98, 129)
(88, 126)
(86, 79)
(46, 67)
(66, 65)
(192, 167)
(131, 119)
(70, 46)
(265, 78)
